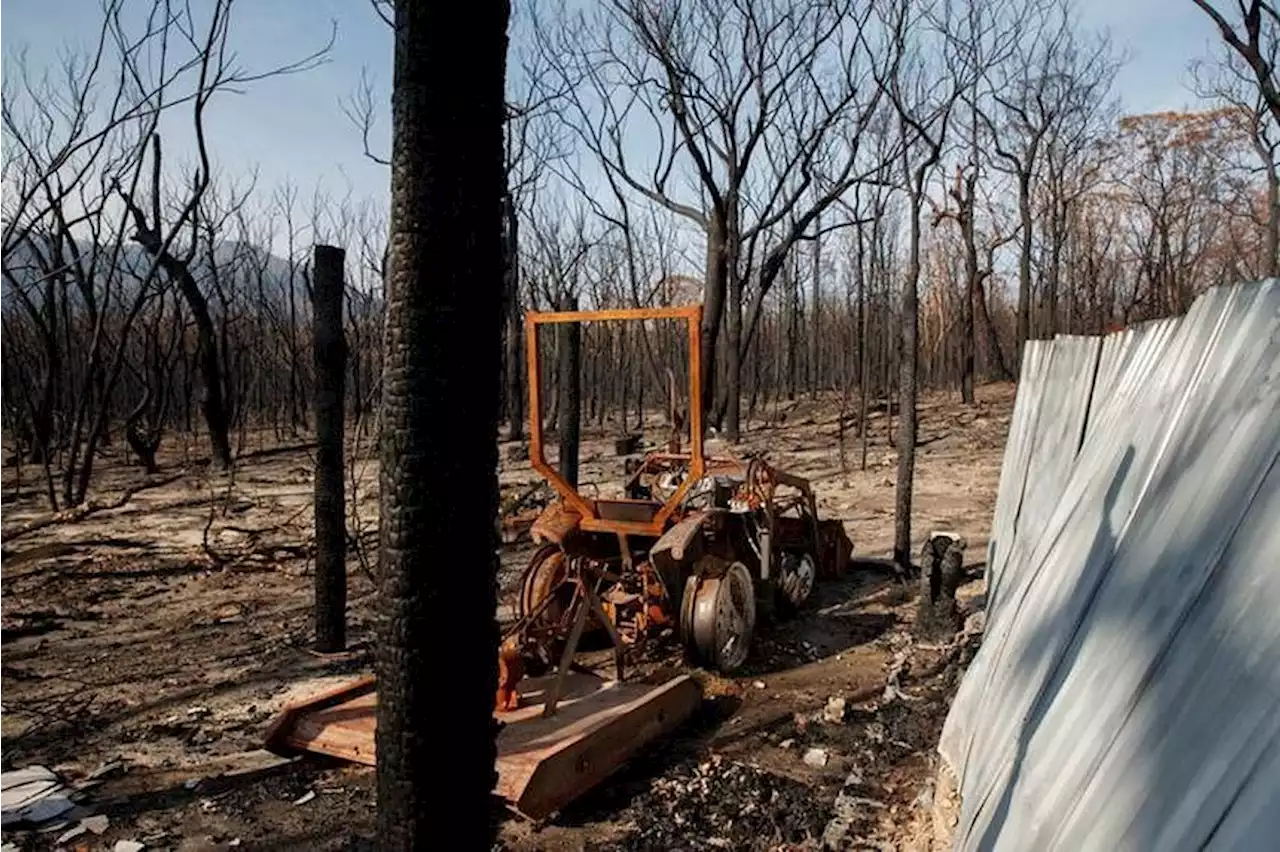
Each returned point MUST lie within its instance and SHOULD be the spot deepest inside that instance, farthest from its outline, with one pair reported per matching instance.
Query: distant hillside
(230, 259)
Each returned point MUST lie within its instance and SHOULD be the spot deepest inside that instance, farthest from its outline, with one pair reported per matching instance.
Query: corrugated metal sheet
(1127, 692)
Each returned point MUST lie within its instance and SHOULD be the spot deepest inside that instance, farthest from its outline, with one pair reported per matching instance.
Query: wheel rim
(721, 618)
(545, 573)
(735, 617)
(798, 578)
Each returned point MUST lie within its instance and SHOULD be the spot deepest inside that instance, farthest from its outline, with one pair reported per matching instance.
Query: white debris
(305, 797)
(128, 846)
(106, 770)
(816, 757)
(787, 743)
(924, 799)
(72, 833)
(97, 824)
(758, 684)
(34, 794)
(975, 623)
(834, 711)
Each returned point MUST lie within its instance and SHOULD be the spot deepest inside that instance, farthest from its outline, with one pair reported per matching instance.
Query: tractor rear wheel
(545, 577)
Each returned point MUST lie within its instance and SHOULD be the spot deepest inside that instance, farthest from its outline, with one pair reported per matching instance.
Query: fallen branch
(84, 510)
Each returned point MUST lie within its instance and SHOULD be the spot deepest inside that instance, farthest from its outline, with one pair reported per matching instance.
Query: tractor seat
(637, 511)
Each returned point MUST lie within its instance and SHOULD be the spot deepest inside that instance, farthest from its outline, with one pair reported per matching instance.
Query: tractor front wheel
(718, 618)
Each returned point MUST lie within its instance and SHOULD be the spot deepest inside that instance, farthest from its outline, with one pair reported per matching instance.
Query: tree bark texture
(515, 326)
(1271, 257)
(970, 291)
(330, 497)
(714, 286)
(815, 334)
(733, 355)
(1025, 243)
(908, 384)
(437, 633)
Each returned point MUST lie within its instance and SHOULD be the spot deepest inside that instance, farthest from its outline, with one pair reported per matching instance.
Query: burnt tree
(330, 362)
(569, 420)
(941, 571)
(762, 122)
(514, 342)
(439, 494)
(1256, 44)
(151, 238)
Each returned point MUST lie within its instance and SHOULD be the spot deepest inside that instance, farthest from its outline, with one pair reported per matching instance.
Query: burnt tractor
(701, 547)
(706, 547)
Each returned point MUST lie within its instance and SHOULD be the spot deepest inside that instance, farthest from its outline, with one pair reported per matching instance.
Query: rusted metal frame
(692, 315)
(566, 659)
(685, 312)
(813, 526)
(781, 477)
(528, 619)
(536, 456)
(710, 463)
(619, 665)
(588, 604)
(771, 533)
(652, 529)
(624, 547)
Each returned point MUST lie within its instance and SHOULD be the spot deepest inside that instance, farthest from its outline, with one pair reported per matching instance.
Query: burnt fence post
(330, 354)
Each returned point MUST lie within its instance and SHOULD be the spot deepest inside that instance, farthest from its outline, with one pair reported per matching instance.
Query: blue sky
(293, 128)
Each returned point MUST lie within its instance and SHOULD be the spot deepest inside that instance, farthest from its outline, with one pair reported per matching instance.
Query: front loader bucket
(543, 762)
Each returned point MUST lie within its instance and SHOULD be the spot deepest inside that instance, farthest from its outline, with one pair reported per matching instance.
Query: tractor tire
(718, 618)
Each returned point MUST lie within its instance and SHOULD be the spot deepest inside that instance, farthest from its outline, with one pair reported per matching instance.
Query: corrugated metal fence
(1127, 692)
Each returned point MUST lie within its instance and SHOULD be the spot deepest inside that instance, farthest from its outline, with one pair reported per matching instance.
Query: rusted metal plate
(677, 539)
(543, 763)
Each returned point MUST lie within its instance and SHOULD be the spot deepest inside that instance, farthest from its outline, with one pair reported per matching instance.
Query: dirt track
(165, 633)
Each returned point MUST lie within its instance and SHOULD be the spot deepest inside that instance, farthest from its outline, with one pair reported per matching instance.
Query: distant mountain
(23, 266)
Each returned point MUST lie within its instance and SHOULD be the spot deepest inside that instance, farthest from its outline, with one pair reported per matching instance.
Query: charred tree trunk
(139, 436)
(330, 359)
(515, 328)
(569, 422)
(296, 420)
(941, 570)
(999, 364)
(1271, 246)
(733, 347)
(713, 297)
(815, 334)
(864, 347)
(908, 381)
(792, 321)
(208, 363)
(1024, 264)
(970, 290)
(439, 435)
